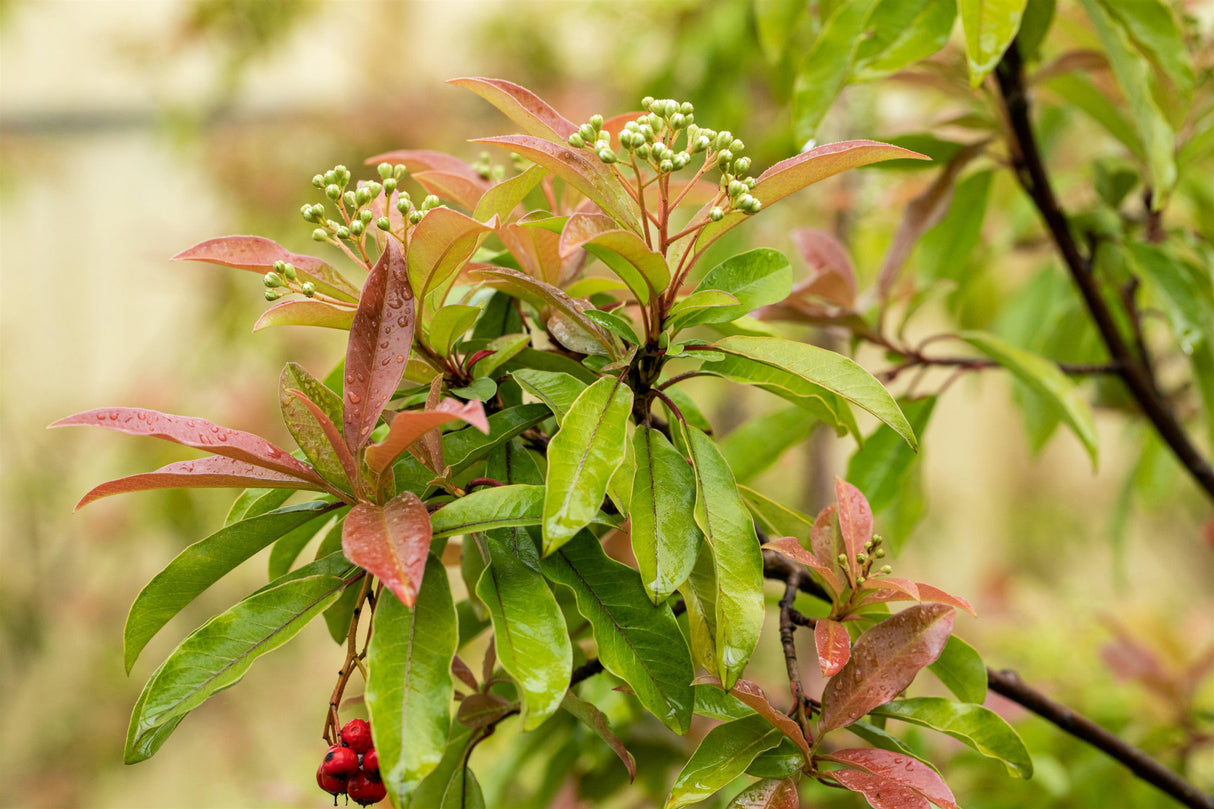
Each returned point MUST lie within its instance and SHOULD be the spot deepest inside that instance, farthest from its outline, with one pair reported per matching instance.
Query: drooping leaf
(463, 791)
(990, 26)
(287, 548)
(1152, 26)
(408, 426)
(643, 269)
(724, 753)
(391, 542)
(752, 696)
(903, 32)
(770, 793)
(593, 718)
(755, 278)
(962, 671)
(637, 642)
(258, 255)
(1046, 380)
(582, 457)
(665, 537)
(306, 313)
(884, 661)
(217, 655)
(699, 593)
(409, 687)
(204, 473)
(522, 106)
(978, 727)
(617, 324)
(833, 644)
(903, 770)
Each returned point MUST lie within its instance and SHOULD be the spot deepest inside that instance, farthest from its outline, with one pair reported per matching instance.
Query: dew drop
(354, 397)
(114, 416)
(385, 361)
(400, 357)
(402, 321)
(100, 417)
(222, 436)
(383, 343)
(387, 329)
(203, 438)
(214, 428)
(349, 379)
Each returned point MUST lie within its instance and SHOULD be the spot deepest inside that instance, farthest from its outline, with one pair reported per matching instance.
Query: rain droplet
(222, 436)
(214, 428)
(354, 397)
(203, 438)
(387, 329)
(385, 361)
(100, 417)
(114, 416)
(383, 343)
(400, 357)
(402, 321)
(349, 379)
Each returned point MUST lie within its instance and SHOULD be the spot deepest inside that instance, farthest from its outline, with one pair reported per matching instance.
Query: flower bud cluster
(283, 279)
(487, 171)
(868, 557)
(354, 206)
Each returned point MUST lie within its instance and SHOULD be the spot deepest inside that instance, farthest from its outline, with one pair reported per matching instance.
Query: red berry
(357, 735)
(365, 788)
(371, 761)
(340, 762)
(334, 786)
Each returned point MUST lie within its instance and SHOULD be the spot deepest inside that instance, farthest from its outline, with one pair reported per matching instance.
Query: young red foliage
(791, 548)
(258, 254)
(334, 437)
(410, 425)
(751, 695)
(855, 521)
(768, 794)
(390, 541)
(907, 771)
(833, 644)
(205, 473)
(522, 106)
(880, 792)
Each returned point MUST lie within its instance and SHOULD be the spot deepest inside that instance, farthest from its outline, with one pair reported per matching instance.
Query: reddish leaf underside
(456, 187)
(884, 661)
(907, 771)
(205, 473)
(522, 106)
(855, 521)
(258, 254)
(768, 794)
(832, 277)
(596, 720)
(411, 425)
(792, 549)
(834, 646)
(751, 695)
(823, 539)
(880, 792)
(390, 541)
(305, 313)
(381, 337)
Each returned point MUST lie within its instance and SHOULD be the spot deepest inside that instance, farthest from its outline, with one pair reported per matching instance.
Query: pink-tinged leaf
(824, 540)
(880, 792)
(596, 720)
(581, 169)
(334, 437)
(791, 548)
(390, 541)
(421, 160)
(381, 337)
(855, 521)
(537, 250)
(834, 646)
(768, 794)
(196, 433)
(258, 254)
(751, 695)
(643, 270)
(928, 592)
(884, 661)
(895, 584)
(522, 106)
(907, 771)
(832, 277)
(455, 187)
(503, 198)
(409, 426)
(306, 313)
(464, 674)
(430, 446)
(205, 473)
(441, 244)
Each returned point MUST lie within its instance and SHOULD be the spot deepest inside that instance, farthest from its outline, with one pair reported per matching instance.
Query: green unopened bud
(365, 215)
(886, 570)
(320, 235)
(318, 180)
(879, 553)
(681, 160)
(278, 266)
(755, 206)
(272, 295)
(357, 227)
(587, 132)
(575, 140)
(343, 233)
(868, 546)
(687, 108)
(431, 201)
(861, 557)
(364, 195)
(343, 174)
(841, 558)
(678, 121)
(666, 166)
(350, 199)
(724, 157)
(642, 151)
(384, 170)
(383, 224)
(398, 173)
(647, 132)
(737, 146)
(306, 212)
(403, 203)
(860, 580)
(308, 289)
(333, 191)
(741, 166)
(596, 121)
(736, 188)
(716, 214)
(273, 280)
(330, 177)
(647, 102)
(415, 216)
(607, 156)
(701, 144)
(389, 186)
(723, 139)
(750, 182)
(288, 270)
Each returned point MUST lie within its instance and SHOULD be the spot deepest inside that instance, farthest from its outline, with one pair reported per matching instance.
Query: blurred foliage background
(131, 130)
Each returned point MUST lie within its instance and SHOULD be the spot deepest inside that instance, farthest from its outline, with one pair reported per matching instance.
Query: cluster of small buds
(354, 206)
(352, 767)
(867, 558)
(284, 279)
(487, 171)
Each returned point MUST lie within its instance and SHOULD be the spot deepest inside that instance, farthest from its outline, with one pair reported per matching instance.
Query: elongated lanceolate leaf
(202, 564)
(724, 754)
(665, 536)
(409, 688)
(195, 433)
(903, 32)
(322, 438)
(880, 792)
(306, 313)
(791, 548)
(489, 508)
(441, 244)
(880, 466)
(824, 69)
(770, 793)
(884, 661)
(752, 696)
(255, 502)
(217, 655)
(989, 28)
(410, 425)
(1046, 380)
(582, 457)
(593, 718)
(469, 445)
(458, 188)
(381, 338)
(755, 278)
(640, 267)
(833, 644)
(521, 106)
(557, 390)
(637, 642)
(824, 368)
(258, 255)
(978, 727)
(204, 473)
(759, 442)
(391, 542)
(504, 197)
(903, 770)
(962, 671)
(855, 520)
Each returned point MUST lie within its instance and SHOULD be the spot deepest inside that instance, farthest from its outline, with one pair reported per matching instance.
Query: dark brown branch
(1008, 684)
(789, 643)
(1034, 178)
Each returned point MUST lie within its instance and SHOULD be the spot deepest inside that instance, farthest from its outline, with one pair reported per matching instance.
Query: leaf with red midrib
(205, 473)
(381, 337)
(881, 793)
(855, 519)
(903, 769)
(834, 646)
(195, 433)
(390, 541)
(410, 425)
(522, 106)
(258, 254)
(789, 547)
(884, 661)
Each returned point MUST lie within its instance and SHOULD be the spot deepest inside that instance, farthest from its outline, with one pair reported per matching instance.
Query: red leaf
(751, 695)
(791, 548)
(832, 277)
(411, 425)
(522, 106)
(381, 337)
(823, 538)
(205, 473)
(768, 794)
(461, 671)
(881, 793)
(390, 541)
(903, 769)
(884, 661)
(834, 646)
(196, 433)
(898, 589)
(455, 187)
(441, 244)
(934, 594)
(855, 521)
(348, 464)
(258, 254)
(305, 313)
(596, 720)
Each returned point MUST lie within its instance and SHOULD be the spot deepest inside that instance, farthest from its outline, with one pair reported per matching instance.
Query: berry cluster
(352, 767)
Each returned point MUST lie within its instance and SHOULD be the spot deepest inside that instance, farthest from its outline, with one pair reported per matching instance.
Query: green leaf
(962, 671)
(880, 466)
(1152, 26)
(492, 507)
(556, 389)
(532, 639)
(724, 754)
(504, 349)
(463, 791)
(824, 70)
(503, 198)
(990, 26)
(217, 655)
(729, 532)
(637, 642)
(305, 313)
(664, 533)
(287, 548)
(980, 728)
(202, 564)
(755, 278)
(409, 689)
(821, 367)
(429, 793)
(449, 324)
(775, 20)
(760, 442)
(1045, 379)
(464, 447)
(640, 267)
(903, 32)
(582, 457)
(1188, 306)
(616, 324)
(255, 502)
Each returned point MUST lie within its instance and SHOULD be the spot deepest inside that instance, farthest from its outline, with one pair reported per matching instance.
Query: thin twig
(789, 643)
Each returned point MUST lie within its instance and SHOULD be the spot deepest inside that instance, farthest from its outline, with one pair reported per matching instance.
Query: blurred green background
(131, 130)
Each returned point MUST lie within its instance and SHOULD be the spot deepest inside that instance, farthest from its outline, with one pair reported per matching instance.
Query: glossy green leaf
(254, 503)
(640, 267)
(755, 278)
(903, 32)
(665, 537)
(699, 593)
(824, 69)
(724, 753)
(962, 671)
(760, 441)
(821, 367)
(532, 640)
(879, 468)
(556, 389)
(637, 642)
(753, 697)
(1153, 28)
(410, 687)
(463, 791)
(449, 324)
(582, 457)
(618, 325)
(217, 655)
(504, 349)
(504, 197)
(289, 546)
(202, 564)
(712, 702)
(782, 520)
(466, 446)
(989, 27)
(980, 728)
(1046, 380)
(491, 507)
